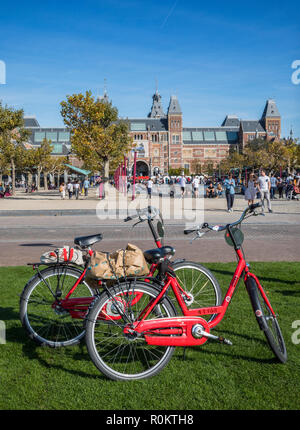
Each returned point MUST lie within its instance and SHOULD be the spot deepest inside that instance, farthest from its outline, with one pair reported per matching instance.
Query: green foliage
(12, 136)
(97, 136)
(178, 171)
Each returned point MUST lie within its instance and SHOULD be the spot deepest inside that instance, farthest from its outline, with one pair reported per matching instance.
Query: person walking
(195, 184)
(251, 189)
(229, 185)
(182, 185)
(86, 185)
(264, 187)
(62, 190)
(70, 189)
(273, 181)
(76, 189)
(149, 187)
(280, 187)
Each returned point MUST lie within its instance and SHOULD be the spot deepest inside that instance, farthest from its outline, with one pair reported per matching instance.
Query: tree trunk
(106, 176)
(45, 181)
(38, 182)
(29, 181)
(13, 176)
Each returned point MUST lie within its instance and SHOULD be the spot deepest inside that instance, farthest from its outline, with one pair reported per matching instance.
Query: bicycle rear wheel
(266, 320)
(201, 286)
(121, 356)
(46, 323)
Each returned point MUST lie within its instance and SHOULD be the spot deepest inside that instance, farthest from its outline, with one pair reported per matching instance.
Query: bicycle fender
(252, 291)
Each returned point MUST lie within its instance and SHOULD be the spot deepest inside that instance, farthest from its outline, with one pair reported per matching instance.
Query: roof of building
(174, 107)
(148, 124)
(210, 135)
(156, 109)
(270, 109)
(31, 122)
(252, 126)
(231, 121)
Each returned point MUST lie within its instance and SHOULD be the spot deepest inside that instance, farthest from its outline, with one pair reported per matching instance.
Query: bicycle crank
(198, 332)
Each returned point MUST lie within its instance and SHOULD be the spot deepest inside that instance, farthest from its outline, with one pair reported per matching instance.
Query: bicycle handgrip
(188, 231)
(128, 219)
(254, 206)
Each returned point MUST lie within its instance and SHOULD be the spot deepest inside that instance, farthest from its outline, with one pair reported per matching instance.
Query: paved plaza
(33, 224)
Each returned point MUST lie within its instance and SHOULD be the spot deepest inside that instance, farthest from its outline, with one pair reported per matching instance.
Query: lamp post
(134, 173)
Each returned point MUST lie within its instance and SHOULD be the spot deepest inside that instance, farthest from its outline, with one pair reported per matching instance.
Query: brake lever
(198, 235)
(141, 220)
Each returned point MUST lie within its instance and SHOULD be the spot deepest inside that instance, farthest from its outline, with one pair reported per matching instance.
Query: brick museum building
(162, 142)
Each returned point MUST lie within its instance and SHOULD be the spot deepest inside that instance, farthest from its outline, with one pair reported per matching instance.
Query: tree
(4, 166)
(43, 159)
(98, 138)
(12, 136)
(56, 165)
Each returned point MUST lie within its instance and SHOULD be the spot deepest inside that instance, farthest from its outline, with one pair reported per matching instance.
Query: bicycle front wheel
(266, 320)
(121, 356)
(200, 287)
(46, 323)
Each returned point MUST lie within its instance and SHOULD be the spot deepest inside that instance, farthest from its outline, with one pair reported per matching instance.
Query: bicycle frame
(178, 331)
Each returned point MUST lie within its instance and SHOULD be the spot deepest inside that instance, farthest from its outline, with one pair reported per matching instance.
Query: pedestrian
(182, 183)
(76, 189)
(251, 189)
(149, 187)
(229, 185)
(62, 190)
(70, 189)
(219, 190)
(195, 184)
(280, 187)
(264, 187)
(86, 185)
(273, 181)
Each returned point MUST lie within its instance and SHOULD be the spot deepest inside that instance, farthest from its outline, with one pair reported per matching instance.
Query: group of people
(4, 190)
(73, 188)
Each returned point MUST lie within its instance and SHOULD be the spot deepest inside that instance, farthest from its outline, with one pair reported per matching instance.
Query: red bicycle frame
(177, 331)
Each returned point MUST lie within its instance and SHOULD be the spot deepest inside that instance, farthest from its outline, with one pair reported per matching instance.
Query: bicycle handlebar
(250, 209)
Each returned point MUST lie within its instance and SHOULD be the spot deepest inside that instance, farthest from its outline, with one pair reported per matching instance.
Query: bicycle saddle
(154, 255)
(87, 240)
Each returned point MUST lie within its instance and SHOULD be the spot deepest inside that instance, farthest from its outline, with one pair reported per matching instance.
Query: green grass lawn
(213, 376)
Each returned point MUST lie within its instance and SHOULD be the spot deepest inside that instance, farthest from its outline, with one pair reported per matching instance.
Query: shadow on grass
(33, 352)
(263, 278)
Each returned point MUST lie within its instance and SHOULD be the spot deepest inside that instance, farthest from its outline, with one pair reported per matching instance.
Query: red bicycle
(56, 299)
(136, 338)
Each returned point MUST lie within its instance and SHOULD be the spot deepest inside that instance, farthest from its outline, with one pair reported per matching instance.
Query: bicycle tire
(105, 340)
(266, 321)
(44, 324)
(204, 288)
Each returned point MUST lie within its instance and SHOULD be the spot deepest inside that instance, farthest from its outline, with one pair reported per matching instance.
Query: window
(39, 136)
(209, 135)
(51, 136)
(221, 135)
(57, 149)
(138, 126)
(232, 136)
(197, 135)
(186, 135)
(64, 136)
(175, 139)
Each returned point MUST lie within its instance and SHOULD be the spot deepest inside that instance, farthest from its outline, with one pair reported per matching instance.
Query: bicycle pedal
(225, 341)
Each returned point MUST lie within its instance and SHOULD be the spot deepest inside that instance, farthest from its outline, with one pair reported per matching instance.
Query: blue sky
(218, 57)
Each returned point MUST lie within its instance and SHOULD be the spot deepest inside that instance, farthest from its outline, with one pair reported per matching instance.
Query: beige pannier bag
(119, 264)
